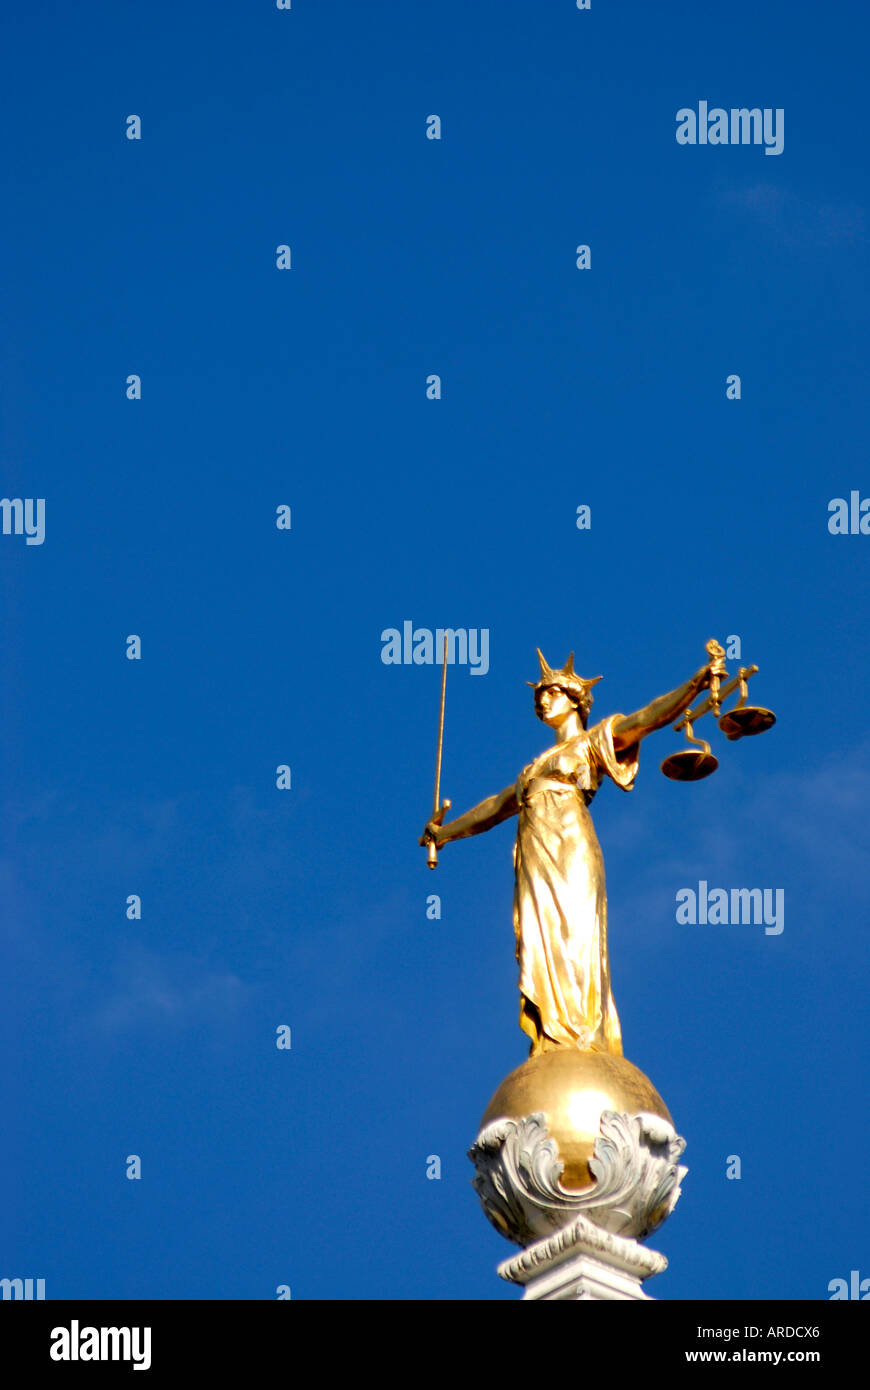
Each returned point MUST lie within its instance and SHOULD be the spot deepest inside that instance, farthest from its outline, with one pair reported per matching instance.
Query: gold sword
(438, 811)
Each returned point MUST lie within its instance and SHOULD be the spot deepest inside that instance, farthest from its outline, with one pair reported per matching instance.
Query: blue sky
(262, 647)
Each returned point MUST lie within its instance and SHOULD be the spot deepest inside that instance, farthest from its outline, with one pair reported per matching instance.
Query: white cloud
(795, 221)
(149, 989)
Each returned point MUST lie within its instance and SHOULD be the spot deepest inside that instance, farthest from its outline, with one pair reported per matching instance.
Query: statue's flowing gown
(560, 901)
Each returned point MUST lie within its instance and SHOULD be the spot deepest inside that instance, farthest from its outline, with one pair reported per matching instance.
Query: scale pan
(689, 766)
(748, 719)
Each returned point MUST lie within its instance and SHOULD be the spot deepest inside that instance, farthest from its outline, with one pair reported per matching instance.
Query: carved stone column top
(634, 1166)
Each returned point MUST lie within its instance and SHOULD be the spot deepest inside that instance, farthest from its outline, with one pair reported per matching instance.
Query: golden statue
(560, 900)
(578, 1131)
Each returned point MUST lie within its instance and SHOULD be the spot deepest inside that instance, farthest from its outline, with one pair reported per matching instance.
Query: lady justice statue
(560, 901)
(539, 1155)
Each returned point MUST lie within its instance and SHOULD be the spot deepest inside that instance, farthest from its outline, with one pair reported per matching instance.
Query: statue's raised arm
(482, 817)
(629, 729)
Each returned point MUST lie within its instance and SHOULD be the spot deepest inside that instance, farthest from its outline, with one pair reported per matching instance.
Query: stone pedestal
(581, 1242)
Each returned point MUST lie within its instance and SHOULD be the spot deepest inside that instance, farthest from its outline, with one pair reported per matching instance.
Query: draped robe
(560, 900)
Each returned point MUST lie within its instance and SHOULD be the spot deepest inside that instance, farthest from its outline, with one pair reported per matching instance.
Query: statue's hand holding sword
(428, 837)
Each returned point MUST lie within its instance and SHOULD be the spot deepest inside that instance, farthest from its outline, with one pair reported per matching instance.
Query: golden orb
(572, 1088)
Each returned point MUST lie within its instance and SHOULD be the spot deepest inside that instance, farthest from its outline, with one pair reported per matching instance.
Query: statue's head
(561, 690)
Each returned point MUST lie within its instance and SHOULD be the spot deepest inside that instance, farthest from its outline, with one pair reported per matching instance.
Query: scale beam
(692, 714)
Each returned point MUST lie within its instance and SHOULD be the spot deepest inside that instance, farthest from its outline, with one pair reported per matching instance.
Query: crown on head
(567, 680)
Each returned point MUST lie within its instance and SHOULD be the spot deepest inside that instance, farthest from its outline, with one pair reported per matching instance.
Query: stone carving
(635, 1168)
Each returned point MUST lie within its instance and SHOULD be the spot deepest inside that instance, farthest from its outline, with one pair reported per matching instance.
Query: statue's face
(553, 706)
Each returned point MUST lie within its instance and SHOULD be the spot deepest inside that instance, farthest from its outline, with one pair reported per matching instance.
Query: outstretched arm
(483, 817)
(631, 728)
